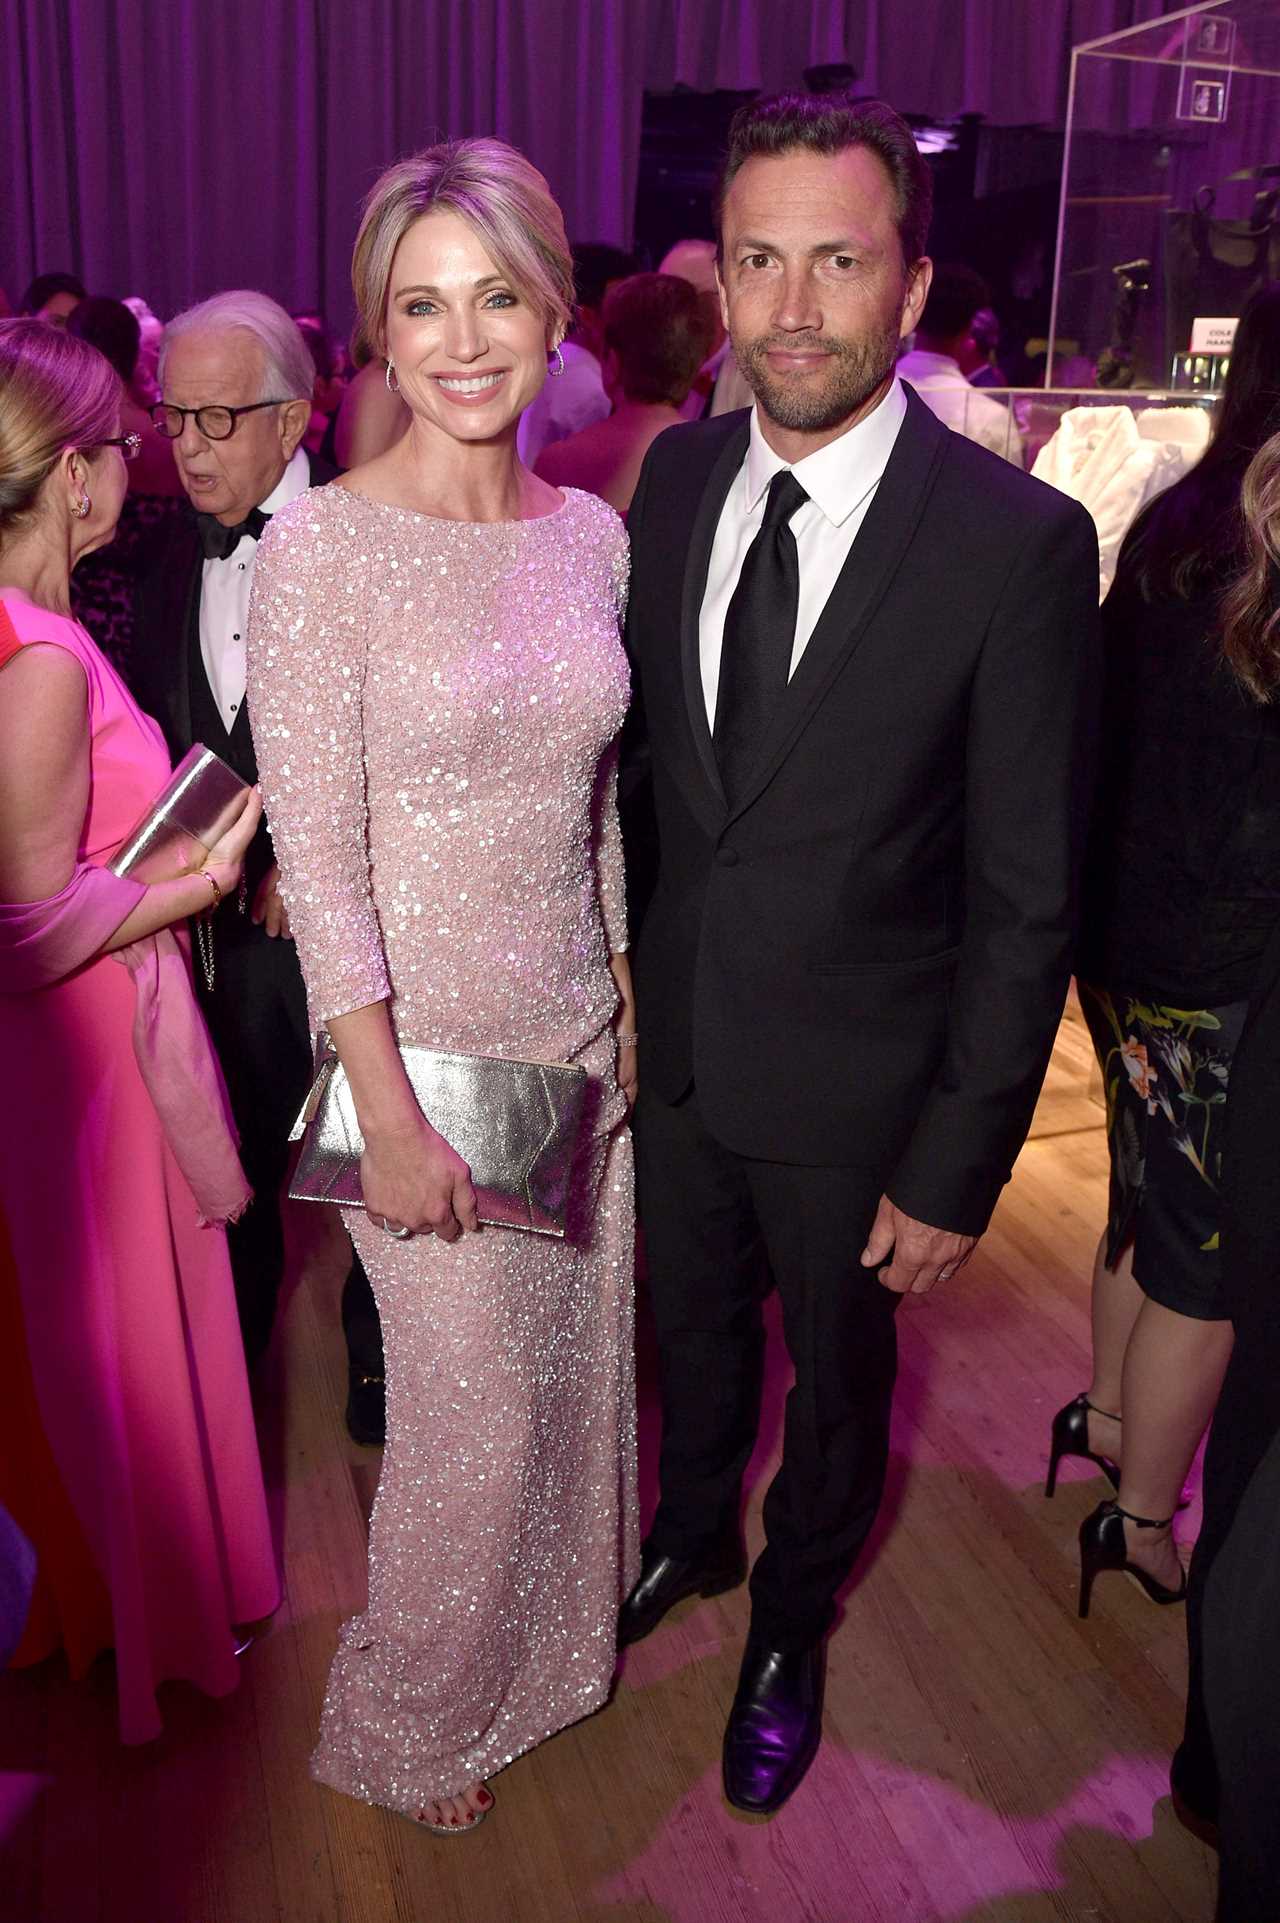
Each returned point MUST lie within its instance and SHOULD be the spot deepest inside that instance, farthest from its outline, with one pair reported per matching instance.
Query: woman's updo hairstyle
(56, 392)
(503, 199)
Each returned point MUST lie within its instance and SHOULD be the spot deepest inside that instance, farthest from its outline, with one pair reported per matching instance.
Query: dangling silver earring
(81, 508)
(558, 369)
(391, 368)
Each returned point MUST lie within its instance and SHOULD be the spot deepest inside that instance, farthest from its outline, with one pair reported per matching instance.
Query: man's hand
(921, 1255)
(268, 909)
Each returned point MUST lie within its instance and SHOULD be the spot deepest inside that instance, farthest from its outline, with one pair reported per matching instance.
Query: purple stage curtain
(170, 148)
(1007, 59)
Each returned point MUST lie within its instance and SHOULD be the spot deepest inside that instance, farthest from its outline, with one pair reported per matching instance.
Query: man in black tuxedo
(866, 654)
(236, 379)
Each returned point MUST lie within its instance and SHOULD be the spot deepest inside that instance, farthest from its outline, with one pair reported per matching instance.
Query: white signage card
(1213, 336)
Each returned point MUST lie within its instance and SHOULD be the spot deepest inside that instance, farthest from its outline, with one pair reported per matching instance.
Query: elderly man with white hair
(235, 379)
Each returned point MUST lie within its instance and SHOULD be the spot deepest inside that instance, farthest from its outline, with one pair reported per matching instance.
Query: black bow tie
(220, 543)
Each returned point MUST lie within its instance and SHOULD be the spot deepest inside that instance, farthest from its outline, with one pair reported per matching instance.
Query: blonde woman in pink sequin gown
(436, 682)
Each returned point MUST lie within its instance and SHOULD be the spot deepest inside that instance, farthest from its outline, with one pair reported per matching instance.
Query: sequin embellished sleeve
(608, 837)
(306, 660)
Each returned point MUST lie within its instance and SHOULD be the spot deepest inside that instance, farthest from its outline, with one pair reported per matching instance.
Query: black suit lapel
(168, 616)
(873, 560)
(320, 473)
(697, 561)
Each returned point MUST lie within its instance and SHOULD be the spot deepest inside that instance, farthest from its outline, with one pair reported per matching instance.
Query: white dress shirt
(942, 386)
(224, 599)
(841, 481)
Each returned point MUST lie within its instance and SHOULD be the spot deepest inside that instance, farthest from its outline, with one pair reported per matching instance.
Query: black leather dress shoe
(775, 1725)
(664, 1581)
(367, 1408)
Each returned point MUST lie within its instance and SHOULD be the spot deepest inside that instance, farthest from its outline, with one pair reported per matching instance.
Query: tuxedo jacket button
(727, 857)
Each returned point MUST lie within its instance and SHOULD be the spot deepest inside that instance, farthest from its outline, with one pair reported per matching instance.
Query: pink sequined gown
(433, 705)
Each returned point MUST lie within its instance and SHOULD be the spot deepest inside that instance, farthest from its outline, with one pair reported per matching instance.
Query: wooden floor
(987, 1755)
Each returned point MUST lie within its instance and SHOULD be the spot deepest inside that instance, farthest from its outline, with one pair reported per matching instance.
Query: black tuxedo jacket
(166, 673)
(864, 962)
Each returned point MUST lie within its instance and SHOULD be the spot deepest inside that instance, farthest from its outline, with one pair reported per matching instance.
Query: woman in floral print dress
(1182, 892)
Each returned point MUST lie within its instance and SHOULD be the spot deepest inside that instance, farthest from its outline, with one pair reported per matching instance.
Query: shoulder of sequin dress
(594, 524)
(594, 513)
(594, 520)
(317, 511)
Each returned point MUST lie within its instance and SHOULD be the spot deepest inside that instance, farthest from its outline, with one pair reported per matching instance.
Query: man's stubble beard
(857, 370)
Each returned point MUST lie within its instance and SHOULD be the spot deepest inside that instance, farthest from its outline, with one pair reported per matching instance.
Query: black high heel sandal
(1102, 1546)
(1070, 1437)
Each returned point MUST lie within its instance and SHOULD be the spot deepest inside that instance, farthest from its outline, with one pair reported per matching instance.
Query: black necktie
(220, 543)
(759, 636)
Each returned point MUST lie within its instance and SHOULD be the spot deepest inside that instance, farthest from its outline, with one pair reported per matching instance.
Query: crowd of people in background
(628, 379)
(140, 465)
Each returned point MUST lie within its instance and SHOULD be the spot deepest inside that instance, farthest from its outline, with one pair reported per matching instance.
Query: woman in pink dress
(115, 1146)
(436, 680)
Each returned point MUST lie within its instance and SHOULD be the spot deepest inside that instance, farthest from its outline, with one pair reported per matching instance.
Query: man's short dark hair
(956, 295)
(661, 331)
(112, 328)
(595, 264)
(786, 123)
(45, 287)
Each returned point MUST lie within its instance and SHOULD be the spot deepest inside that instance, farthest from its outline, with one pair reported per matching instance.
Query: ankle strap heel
(1141, 1522)
(1103, 1546)
(1070, 1437)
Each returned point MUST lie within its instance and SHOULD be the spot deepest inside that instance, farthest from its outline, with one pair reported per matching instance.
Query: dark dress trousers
(257, 1009)
(849, 981)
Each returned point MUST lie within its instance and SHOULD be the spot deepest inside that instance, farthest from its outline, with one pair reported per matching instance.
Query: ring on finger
(400, 1235)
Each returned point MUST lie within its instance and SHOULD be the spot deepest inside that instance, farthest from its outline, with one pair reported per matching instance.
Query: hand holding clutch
(412, 1179)
(225, 860)
(498, 1148)
(201, 822)
(201, 803)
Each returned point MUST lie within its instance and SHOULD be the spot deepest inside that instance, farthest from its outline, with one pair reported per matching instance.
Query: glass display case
(1170, 193)
(1111, 451)
(1019, 422)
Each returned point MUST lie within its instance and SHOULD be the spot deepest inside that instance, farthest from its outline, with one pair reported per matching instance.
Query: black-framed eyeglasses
(130, 445)
(215, 423)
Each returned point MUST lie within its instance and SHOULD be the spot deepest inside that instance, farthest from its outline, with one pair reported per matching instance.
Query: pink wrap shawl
(41, 942)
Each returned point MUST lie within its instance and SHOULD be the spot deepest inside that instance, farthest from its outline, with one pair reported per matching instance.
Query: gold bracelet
(213, 883)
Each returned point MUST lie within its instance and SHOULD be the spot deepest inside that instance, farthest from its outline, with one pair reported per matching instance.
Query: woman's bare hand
(225, 859)
(624, 1024)
(412, 1179)
(627, 1066)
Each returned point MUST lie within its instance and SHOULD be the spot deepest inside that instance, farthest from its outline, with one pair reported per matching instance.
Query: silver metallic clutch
(514, 1123)
(198, 804)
